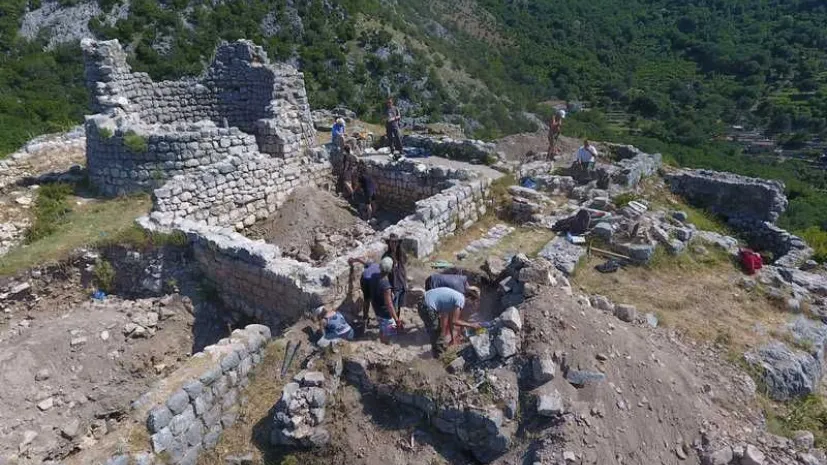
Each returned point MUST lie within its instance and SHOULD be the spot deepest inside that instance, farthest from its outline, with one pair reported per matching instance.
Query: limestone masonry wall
(751, 206)
(259, 106)
(254, 279)
(730, 195)
(239, 190)
(191, 418)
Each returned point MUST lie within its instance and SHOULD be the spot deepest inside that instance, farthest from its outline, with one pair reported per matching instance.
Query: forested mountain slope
(679, 72)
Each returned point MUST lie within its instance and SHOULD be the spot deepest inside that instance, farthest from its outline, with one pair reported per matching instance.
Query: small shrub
(105, 133)
(623, 199)
(104, 275)
(135, 142)
(808, 413)
(50, 209)
(290, 460)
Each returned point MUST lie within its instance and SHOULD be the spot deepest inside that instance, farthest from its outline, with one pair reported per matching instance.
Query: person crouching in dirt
(586, 156)
(399, 275)
(382, 299)
(369, 190)
(441, 312)
(456, 282)
(333, 326)
(349, 166)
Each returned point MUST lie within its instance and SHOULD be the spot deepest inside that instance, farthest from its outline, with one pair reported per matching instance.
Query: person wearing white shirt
(586, 155)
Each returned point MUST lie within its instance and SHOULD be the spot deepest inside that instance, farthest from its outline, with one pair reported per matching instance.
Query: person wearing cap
(333, 325)
(338, 133)
(382, 300)
(441, 311)
(456, 282)
(399, 275)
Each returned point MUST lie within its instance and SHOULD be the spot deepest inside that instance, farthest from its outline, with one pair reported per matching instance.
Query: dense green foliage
(668, 76)
(40, 92)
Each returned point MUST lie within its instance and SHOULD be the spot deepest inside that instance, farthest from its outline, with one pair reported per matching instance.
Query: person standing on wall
(399, 275)
(555, 126)
(392, 118)
(337, 136)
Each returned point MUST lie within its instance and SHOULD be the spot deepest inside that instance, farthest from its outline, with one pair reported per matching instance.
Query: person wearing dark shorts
(382, 300)
(369, 190)
(368, 278)
(440, 311)
(392, 117)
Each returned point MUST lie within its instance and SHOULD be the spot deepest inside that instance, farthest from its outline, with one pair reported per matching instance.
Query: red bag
(751, 261)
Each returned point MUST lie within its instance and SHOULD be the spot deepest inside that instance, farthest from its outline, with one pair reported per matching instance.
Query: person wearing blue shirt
(441, 312)
(338, 133)
(334, 327)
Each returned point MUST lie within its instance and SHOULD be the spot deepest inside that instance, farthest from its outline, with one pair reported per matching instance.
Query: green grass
(89, 225)
(50, 210)
(135, 142)
(808, 413)
(706, 221)
(817, 239)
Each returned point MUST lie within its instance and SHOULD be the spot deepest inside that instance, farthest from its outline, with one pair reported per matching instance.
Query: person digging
(456, 282)
(333, 327)
(382, 300)
(370, 274)
(441, 312)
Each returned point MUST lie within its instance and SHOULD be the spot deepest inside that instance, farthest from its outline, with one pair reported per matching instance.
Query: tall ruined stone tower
(145, 131)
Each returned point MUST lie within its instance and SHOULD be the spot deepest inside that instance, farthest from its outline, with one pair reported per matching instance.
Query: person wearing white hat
(333, 325)
(555, 126)
(382, 300)
(338, 133)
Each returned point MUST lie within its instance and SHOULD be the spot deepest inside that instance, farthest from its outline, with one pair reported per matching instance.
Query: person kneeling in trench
(441, 311)
(334, 327)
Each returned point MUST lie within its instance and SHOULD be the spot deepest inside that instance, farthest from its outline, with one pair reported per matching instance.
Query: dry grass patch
(262, 393)
(696, 295)
(87, 224)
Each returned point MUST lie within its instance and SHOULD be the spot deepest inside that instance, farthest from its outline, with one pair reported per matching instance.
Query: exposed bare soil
(309, 216)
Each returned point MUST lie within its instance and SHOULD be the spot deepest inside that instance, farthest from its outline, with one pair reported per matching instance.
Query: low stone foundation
(187, 413)
(469, 150)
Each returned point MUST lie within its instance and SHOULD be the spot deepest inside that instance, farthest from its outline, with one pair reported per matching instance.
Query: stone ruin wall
(238, 191)
(146, 132)
(186, 415)
(750, 205)
(255, 280)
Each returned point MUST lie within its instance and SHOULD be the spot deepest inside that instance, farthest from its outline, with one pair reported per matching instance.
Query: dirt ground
(659, 392)
(311, 215)
(74, 363)
(516, 147)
